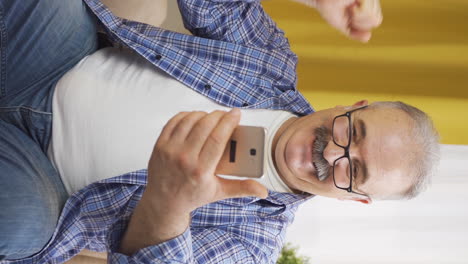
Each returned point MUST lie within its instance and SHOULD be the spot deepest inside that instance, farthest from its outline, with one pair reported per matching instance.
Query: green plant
(289, 255)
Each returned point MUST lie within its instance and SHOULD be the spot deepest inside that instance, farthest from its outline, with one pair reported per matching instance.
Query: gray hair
(427, 157)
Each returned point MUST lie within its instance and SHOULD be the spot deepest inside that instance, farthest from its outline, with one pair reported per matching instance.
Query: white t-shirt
(109, 110)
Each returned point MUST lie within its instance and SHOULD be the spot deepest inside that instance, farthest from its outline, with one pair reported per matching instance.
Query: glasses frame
(346, 151)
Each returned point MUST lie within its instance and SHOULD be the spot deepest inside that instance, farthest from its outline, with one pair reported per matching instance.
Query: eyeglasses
(342, 136)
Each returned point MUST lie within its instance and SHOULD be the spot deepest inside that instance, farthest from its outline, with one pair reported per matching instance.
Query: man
(110, 107)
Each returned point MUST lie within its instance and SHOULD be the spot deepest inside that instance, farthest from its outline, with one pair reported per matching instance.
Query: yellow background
(419, 55)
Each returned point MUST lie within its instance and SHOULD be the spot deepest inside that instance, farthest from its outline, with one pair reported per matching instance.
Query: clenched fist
(355, 18)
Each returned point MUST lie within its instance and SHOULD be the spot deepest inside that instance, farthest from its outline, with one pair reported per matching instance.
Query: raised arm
(245, 22)
(236, 21)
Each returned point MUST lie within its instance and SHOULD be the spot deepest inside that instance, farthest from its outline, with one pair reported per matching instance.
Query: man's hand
(181, 177)
(182, 168)
(355, 18)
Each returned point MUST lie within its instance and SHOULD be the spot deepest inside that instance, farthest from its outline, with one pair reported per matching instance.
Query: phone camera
(253, 152)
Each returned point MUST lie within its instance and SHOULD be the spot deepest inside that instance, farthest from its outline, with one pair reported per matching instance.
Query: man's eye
(355, 171)
(354, 133)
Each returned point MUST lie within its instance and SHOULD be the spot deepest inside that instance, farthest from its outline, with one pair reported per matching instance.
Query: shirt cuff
(176, 250)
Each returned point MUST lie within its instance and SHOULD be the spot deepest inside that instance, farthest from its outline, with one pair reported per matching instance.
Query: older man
(73, 117)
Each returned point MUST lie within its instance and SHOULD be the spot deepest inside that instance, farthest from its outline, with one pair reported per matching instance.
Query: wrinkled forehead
(389, 151)
(390, 177)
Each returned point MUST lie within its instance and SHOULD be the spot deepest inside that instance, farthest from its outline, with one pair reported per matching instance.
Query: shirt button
(207, 86)
(158, 57)
(245, 104)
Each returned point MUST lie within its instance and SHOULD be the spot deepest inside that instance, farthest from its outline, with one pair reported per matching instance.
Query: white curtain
(432, 228)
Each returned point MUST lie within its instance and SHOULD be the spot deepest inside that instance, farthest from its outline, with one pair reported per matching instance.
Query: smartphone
(244, 153)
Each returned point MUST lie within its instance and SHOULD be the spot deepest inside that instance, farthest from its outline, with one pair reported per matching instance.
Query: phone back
(244, 153)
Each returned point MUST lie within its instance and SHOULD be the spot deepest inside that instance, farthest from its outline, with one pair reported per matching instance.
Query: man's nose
(332, 152)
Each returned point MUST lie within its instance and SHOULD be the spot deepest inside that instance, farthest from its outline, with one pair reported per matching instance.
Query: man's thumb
(363, 36)
(243, 188)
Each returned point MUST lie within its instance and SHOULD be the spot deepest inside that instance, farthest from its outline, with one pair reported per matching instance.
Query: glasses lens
(341, 131)
(342, 172)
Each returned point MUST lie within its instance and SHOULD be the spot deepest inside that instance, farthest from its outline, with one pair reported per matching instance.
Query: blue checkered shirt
(238, 58)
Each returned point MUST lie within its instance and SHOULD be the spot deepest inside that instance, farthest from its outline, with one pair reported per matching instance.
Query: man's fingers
(363, 36)
(201, 130)
(183, 128)
(170, 125)
(242, 188)
(215, 144)
(366, 16)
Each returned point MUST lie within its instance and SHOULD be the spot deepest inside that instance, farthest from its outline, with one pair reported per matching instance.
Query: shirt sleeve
(213, 246)
(242, 230)
(237, 244)
(244, 235)
(176, 250)
(242, 22)
(210, 246)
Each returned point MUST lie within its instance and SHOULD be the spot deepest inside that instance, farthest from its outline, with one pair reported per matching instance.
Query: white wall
(432, 228)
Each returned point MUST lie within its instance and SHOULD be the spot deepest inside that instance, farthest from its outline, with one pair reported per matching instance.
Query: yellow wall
(419, 55)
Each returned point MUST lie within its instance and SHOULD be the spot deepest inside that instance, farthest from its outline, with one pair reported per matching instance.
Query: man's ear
(363, 200)
(361, 103)
(355, 105)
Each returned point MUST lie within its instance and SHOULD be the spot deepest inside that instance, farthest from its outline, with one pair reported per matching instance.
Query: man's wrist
(164, 223)
(149, 226)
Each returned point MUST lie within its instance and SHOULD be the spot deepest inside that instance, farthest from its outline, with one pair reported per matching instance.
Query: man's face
(379, 150)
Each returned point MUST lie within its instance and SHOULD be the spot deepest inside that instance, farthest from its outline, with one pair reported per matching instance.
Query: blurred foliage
(289, 255)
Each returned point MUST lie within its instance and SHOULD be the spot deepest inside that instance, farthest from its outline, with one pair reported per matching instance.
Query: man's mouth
(320, 176)
(315, 165)
(319, 162)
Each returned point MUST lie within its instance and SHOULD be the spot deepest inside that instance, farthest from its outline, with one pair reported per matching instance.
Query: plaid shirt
(239, 58)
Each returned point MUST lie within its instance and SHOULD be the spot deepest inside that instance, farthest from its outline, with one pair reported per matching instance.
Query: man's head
(393, 149)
